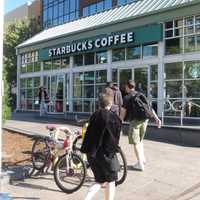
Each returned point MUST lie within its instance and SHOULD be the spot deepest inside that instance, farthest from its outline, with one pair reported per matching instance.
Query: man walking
(136, 110)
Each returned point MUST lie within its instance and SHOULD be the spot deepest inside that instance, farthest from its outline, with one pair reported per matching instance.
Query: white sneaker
(139, 167)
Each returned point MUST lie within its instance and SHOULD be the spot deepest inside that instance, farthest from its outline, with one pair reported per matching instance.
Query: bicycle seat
(51, 127)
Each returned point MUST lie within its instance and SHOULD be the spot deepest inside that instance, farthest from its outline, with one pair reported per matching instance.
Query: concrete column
(109, 69)
(18, 81)
(161, 53)
(71, 63)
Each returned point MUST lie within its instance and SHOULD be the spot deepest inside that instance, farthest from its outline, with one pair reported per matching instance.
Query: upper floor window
(123, 2)
(182, 35)
(59, 12)
(97, 7)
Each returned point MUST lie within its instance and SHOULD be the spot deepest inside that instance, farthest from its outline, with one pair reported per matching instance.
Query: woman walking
(100, 145)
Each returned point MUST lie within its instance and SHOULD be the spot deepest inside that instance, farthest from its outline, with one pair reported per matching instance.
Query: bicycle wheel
(122, 174)
(41, 153)
(69, 173)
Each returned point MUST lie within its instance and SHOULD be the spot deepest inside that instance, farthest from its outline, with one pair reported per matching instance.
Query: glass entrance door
(141, 80)
(55, 85)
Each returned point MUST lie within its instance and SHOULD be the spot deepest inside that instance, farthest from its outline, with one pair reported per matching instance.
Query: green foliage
(14, 34)
(6, 109)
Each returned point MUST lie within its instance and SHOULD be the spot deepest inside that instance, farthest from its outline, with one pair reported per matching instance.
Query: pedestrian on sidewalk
(113, 91)
(100, 145)
(137, 111)
(43, 100)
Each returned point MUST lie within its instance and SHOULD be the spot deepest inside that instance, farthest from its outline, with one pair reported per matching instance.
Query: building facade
(57, 12)
(30, 10)
(156, 43)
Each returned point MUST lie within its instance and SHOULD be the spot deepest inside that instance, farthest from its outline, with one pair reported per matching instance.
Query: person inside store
(43, 100)
(137, 111)
(100, 145)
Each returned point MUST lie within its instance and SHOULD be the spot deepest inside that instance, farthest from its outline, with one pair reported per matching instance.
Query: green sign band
(137, 36)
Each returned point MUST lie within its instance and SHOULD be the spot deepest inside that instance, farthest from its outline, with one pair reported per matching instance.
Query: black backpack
(139, 107)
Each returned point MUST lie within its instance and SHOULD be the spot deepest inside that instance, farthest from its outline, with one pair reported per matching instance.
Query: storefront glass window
(78, 60)
(101, 57)
(47, 65)
(29, 93)
(65, 62)
(173, 71)
(86, 89)
(150, 50)
(192, 70)
(56, 64)
(134, 53)
(178, 33)
(89, 58)
(118, 54)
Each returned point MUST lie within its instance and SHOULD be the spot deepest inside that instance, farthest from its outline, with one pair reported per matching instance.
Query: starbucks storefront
(74, 67)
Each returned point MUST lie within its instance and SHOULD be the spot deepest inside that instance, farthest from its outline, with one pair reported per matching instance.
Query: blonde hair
(105, 100)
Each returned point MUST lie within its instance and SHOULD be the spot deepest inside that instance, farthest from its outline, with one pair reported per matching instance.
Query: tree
(14, 34)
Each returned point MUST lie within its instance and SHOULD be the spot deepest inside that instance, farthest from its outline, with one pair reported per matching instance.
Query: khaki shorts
(137, 131)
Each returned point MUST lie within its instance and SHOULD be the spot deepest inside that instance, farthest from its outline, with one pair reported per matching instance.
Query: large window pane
(174, 89)
(101, 76)
(47, 65)
(189, 44)
(150, 50)
(78, 60)
(114, 76)
(36, 81)
(88, 91)
(133, 53)
(77, 91)
(77, 106)
(192, 70)
(86, 11)
(173, 71)
(173, 46)
(192, 88)
(89, 58)
(56, 64)
(101, 57)
(89, 78)
(118, 54)
(153, 72)
(78, 78)
(108, 4)
(100, 6)
(65, 62)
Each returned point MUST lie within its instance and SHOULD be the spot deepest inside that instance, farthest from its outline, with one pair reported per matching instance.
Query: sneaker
(138, 166)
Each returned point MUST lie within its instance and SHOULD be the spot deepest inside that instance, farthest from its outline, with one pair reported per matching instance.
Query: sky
(12, 4)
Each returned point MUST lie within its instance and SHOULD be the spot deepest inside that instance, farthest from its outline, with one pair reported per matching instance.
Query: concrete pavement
(172, 172)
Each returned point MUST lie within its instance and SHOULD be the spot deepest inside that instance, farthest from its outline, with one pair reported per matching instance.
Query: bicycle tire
(124, 167)
(45, 155)
(57, 178)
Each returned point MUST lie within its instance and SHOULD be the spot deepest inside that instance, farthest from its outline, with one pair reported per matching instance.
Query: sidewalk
(172, 172)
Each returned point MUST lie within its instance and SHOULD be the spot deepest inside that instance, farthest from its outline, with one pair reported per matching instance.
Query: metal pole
(1, 78)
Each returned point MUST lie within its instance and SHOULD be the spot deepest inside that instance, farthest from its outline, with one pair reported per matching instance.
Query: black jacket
(102, 134)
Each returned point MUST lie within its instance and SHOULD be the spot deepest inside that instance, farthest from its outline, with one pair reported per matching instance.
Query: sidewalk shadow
(36, 187)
